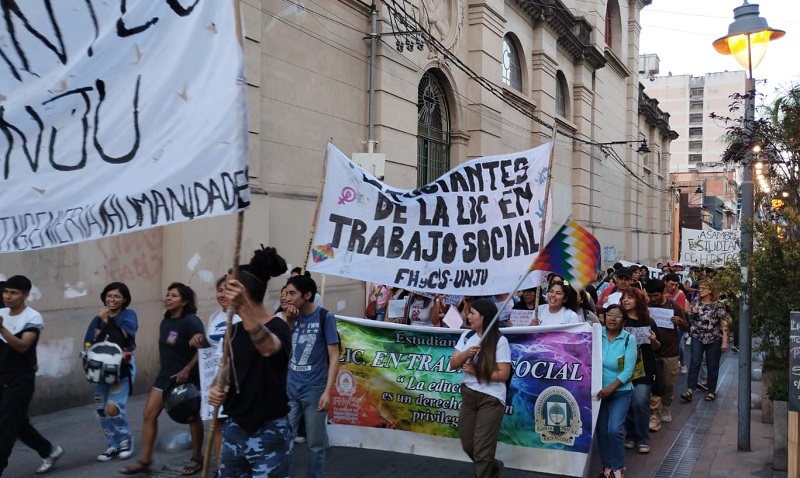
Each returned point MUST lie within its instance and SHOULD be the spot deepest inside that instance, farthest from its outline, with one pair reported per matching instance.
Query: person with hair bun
(485, 367)
(256, 439)
(178, 364)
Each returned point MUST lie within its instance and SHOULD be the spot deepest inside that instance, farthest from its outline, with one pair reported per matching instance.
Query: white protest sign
(662, 317)
(117, 117)
(473, 231)
(613, 298)
(641, 334)
(395, 308)
(709, 247)
(521, 317)
(208, 363)
(453, 318)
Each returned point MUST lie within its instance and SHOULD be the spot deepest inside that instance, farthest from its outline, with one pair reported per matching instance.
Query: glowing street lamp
(748, 37)
(747, 40)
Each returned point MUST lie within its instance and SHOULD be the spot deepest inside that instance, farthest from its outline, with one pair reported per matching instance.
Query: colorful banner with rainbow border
(396, 392)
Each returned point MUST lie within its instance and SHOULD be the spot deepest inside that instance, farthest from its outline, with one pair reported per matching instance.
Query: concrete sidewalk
(699, 443)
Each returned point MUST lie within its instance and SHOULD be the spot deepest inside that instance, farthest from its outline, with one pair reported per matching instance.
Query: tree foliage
(775, 262)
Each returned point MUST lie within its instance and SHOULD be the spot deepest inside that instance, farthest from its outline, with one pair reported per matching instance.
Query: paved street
(699, 443)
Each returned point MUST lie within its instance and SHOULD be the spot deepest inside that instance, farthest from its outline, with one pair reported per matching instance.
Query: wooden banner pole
(316, 211)
(544, 216)
(222, 379)
(541, 243)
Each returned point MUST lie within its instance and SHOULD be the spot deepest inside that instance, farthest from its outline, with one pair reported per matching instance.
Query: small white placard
(395, 309)
(662, 317)
(521, 317)
(453, 318)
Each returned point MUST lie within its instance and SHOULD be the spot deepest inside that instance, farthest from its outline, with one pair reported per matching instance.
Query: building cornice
(574, 33)
(654, 116)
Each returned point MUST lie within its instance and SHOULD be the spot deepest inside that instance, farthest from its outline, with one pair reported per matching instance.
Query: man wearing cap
(622, 281)
(20, 327)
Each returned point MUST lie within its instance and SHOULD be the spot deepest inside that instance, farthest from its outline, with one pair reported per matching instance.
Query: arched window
(562, 100)
(613, 26)
(433, 130)
(512, 74)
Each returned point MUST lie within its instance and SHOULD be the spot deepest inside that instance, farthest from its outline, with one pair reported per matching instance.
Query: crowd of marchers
(654, 329)
(284, 361)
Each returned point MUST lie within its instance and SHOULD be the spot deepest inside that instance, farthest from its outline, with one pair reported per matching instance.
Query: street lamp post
(747, 41)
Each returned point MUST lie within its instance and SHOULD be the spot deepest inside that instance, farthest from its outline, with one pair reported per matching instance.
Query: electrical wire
(463, 100)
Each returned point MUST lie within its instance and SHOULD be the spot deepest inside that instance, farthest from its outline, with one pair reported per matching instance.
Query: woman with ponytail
(485, 367)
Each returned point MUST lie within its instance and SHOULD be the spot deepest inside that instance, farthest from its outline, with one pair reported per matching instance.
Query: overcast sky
(680, 32)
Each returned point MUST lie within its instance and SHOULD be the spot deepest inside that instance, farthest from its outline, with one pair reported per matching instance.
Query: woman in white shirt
(562, 301)
(485, 367)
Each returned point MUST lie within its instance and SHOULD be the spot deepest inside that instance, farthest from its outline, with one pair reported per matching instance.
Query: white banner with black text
(117, 117)
(473, 231)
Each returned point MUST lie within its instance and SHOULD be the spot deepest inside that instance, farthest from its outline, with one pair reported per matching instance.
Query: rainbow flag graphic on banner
(573, 253)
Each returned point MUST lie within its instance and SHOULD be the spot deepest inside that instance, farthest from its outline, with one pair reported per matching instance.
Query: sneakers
(299, 439)
(734, 349)
(702, 386)
(630, 445)
(666, 415)
(618, 473)
(125, 449)
(683, 369)
(655, 424)
(55, 453)
(109, 454)
(644, 449)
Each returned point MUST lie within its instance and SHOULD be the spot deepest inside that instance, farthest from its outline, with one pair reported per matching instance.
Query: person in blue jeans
(313, 366)
(619, 358)
(118, 324)
(645, 332)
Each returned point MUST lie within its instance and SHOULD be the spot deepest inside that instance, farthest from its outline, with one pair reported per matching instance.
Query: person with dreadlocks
(485, 367)
(256, 439)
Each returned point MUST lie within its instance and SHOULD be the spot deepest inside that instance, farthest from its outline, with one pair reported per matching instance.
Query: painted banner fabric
(473, 231)
(573, 253)
(395, 392)
(708, 247)
(117, 117)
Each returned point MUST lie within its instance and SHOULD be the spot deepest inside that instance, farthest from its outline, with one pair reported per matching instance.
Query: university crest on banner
(558, 417)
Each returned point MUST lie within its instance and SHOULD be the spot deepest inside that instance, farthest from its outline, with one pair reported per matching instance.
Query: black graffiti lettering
(395, 243)
(7, 128)
(180, 9)
(115, 214)
(123, 31)
(59, 155)
(470, 210)
(101, 92)
(83, 93)
(439, 218)
(11, 9)
(376, 243)
(339, 223)
(385, 208)
(185, 202)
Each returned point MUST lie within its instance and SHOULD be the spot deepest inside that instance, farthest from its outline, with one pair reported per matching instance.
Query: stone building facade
(514, 68)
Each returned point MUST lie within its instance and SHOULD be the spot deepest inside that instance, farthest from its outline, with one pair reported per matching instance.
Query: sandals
(711, 397)
(136, 468)
(194, 466)
(687, 396)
